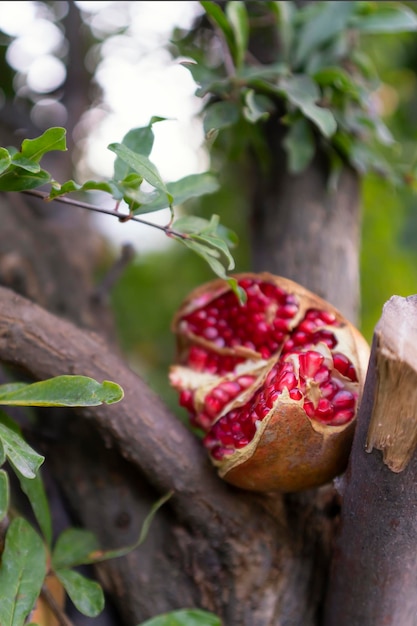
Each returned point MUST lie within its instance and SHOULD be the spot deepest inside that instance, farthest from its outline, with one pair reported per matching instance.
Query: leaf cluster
(320, 85)
(29, 556)
(137, 183)
(27, 553)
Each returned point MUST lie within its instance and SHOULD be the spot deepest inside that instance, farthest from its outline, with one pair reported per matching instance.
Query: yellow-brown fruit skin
(289, 452)
(290, 455)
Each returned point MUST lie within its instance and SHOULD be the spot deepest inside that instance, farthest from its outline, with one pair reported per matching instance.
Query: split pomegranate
(272, 384)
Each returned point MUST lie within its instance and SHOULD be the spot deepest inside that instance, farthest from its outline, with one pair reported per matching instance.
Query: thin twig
(103, 289)
(115, 213)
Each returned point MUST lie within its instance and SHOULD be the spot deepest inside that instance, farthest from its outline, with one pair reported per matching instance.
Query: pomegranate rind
(289, 452)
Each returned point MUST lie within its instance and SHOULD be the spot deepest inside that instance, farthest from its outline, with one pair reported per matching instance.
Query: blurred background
(102, 68)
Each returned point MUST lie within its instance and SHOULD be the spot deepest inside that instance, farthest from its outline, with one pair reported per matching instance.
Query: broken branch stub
(393, 424)
(373, 575)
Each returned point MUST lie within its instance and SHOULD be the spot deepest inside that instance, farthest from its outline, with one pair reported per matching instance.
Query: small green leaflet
(141, 165)
(77, 546)
(329, 21)
(4, 494)
(303, 92)
(139, 140)
(220, 115)
(87, 595)
(52, 139)
(215, 13)
(5, 159)
(192, 186)
(22, 572)
(35, 491)
(300, 145)
(14, 179)
(21, 456)
(237, 16)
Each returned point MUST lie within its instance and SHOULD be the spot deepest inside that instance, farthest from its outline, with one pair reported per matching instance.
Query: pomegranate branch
(114, 212)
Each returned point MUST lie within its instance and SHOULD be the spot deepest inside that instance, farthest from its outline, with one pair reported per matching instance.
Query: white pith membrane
(295, 356)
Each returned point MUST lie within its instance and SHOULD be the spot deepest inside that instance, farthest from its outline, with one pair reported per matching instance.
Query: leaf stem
(114, 212)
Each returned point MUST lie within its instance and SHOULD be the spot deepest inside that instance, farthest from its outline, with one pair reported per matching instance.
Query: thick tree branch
(374, 572)
(44, 345)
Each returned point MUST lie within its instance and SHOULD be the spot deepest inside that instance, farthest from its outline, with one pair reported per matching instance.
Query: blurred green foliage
(389, 229)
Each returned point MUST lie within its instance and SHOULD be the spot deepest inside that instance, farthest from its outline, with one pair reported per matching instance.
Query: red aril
(273, 384)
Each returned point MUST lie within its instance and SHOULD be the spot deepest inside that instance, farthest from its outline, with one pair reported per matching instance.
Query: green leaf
(25, 164)
(35, 491)
(87, 595)
(272, 72)
(51, 139)
(237, 16)
(238, 291)
(216, 245)
(337, 78)
(86, 550)
(330, 20)
(300, 146)
(204, 238)
(141, 165)
(215, 13)
(74, 547)
(4, 494)
(285, 11)
(140, 141)
(220, 115)
(12, 179)
(5, 159)
(190, 224)
(257, 106)
(386, 17)
(303, 92)
(210, 256)
(62, 391)
(2, 454)
(70, 186)
(192, 186)
(202, 75)
(21, 456)
(184, 617)
(22, 572)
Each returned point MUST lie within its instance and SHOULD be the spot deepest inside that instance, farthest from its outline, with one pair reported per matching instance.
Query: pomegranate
(272, 385)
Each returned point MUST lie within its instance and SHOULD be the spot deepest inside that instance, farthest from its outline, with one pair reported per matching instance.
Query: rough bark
(300, 227)
(247, 558)
(303, 230)
(374, 570)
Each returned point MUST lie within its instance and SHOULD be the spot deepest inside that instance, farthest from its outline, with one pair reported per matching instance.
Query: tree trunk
(302, 230)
